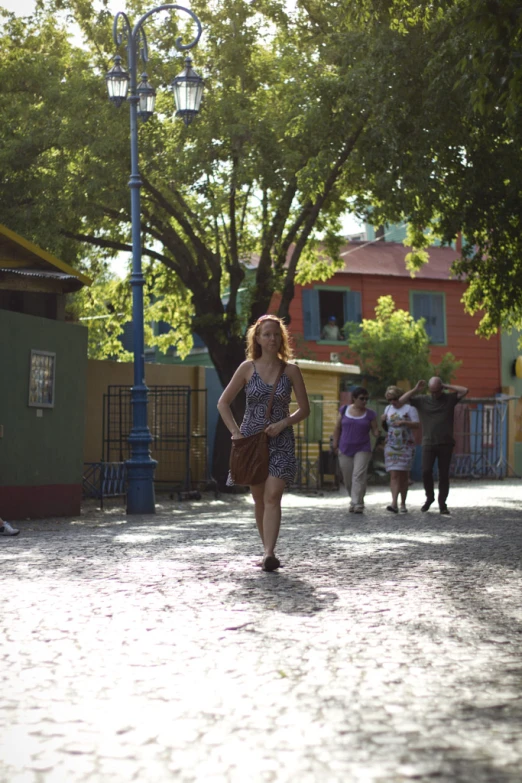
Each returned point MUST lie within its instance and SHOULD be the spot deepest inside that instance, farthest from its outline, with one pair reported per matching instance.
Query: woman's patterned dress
(399, 450)
(281, 449)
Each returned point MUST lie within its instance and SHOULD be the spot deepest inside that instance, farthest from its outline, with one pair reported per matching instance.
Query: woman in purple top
(351, 441)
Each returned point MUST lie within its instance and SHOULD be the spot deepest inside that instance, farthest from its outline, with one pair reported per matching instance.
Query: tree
(394, 347)
(302, 110)
(293, 119)
(461, 172)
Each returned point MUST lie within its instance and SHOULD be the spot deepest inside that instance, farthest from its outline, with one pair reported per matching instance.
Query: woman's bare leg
(404, 481)
(272, 513)
(394, 486)
(258, 494)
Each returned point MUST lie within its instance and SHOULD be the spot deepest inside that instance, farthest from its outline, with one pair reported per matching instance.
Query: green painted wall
(510, 351)
(44, 450)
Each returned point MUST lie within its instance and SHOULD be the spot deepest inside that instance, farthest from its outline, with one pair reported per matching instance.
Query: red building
(377, 269)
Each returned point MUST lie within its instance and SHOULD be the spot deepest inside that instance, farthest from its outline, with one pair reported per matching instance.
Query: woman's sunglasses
(364, 399)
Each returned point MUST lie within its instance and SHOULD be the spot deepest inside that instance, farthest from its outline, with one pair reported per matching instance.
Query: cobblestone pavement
(152, 649)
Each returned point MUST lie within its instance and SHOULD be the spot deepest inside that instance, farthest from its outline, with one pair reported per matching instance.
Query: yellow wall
(326, 384)
(101, 374)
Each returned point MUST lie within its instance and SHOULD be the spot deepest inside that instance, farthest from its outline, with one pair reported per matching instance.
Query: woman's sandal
(392, 508)
(270, 563)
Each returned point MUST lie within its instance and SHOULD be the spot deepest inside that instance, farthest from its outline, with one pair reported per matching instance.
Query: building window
(320, 304)
(431, 307)
(314, 423)
(42, 372)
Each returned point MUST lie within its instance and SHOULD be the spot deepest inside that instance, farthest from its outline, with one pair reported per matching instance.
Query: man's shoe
(7, 530)
(445, 510)
(427, 504)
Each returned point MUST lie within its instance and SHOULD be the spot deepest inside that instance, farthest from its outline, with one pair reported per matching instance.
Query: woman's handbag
(249, 456)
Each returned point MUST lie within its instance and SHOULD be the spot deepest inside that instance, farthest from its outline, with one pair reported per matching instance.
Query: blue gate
(481, 440)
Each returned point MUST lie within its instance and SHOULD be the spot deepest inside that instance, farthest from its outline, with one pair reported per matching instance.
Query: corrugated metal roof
(387, 258)
(64, 281)
(38, 273)
(16, 252)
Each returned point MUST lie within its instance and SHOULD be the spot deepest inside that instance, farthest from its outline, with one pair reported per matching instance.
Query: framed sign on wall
(42, 373)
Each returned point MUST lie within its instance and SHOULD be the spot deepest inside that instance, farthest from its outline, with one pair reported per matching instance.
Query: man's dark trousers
(442, 453)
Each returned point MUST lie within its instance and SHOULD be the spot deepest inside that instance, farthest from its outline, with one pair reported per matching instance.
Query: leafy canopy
(301, 108)
(460, 172)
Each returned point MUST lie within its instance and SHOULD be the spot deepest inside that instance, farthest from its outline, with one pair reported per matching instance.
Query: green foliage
(394, 347)
(104, 308)
(293, 120)
(460, 170)
(408, 108)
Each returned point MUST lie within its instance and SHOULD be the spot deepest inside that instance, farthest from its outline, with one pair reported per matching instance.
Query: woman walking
(268, 351)
(400, 421)
(351, 440)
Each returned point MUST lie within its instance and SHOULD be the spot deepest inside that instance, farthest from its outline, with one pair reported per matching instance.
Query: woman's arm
(337, 433)
(239, 379)
(375, 427)
(301, 396)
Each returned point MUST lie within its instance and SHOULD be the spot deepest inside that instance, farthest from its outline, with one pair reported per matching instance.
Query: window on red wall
(320, 303)
(431, 307)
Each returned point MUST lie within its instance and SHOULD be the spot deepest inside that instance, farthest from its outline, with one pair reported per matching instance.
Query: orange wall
(480, 369)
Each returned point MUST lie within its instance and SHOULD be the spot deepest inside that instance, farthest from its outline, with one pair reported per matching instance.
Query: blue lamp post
(188, 89)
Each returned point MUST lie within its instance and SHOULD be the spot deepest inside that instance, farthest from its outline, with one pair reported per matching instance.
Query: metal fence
(316, 467)
(481, 438)
(178, 423)
(177, 419)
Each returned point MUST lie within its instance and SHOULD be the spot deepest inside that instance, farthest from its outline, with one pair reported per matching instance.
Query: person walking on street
(268, 353)
(6, 529)
(351, 441)
(399, 421)
(436, 412)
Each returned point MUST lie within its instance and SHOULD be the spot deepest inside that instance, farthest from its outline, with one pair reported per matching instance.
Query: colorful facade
(377, 269)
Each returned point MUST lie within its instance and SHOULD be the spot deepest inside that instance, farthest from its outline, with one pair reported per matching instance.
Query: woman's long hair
(253, 349)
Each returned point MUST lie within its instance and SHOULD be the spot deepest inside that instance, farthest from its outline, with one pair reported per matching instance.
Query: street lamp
(188, 89)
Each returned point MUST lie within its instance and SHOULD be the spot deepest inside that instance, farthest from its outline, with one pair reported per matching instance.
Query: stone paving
(151, 649)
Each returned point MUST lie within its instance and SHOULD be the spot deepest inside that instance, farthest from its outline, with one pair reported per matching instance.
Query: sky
(119, 265)
(20, 7)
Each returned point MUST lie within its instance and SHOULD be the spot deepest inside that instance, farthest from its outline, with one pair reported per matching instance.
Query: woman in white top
(399, 421)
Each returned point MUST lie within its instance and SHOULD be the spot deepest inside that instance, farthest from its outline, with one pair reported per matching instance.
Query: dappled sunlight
(388, 645)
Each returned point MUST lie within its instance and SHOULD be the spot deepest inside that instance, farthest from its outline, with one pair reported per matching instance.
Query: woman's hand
(274, 429)
(237, 436)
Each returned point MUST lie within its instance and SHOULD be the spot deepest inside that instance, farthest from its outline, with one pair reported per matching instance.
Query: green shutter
(314, 423)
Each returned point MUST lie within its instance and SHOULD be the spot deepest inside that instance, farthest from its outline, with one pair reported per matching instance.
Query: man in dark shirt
(436, 413)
